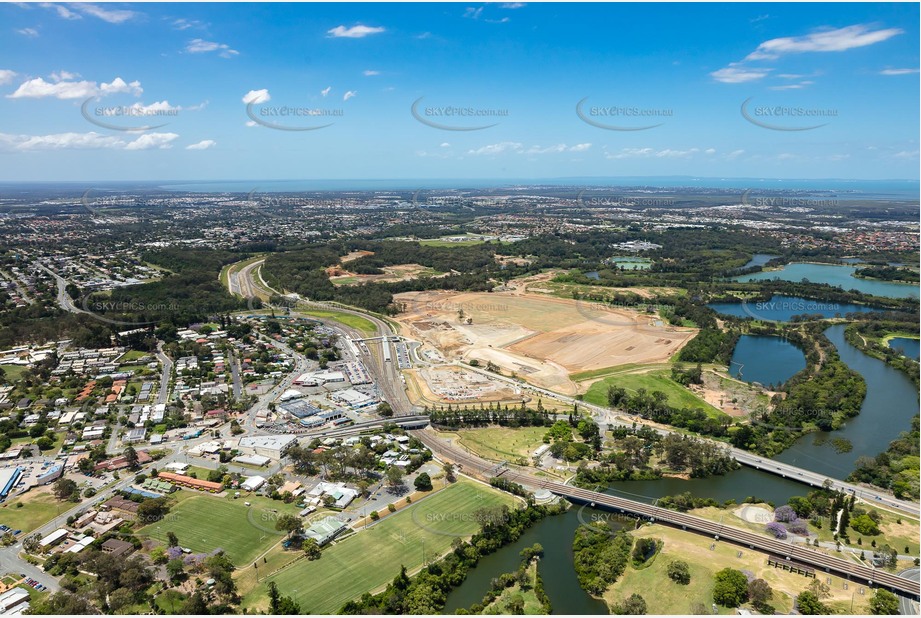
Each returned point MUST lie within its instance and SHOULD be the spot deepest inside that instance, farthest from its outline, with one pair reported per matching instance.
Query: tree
(131, 458)
(171, 539)
(175, 569)
(32, 544)
(152, 510)
(64, 489)
(195, 605)
(449, 473)
(281, 605)
(808, 604)
(884, 603)
(634, 605)
(423, 482)
(731, 589)
(289, 523)
(679, 572)
(394, 476)
(311, 548)
(384, 409)
(759, 593)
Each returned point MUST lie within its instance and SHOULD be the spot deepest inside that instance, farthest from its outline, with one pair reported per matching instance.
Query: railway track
(855, 572)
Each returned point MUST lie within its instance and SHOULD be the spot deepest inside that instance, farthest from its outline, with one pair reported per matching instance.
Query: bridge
(778, 550)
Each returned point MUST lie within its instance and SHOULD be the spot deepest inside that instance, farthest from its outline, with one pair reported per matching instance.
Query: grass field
(663, 596)
(13, 372)
(369, 559)
(499, 443)
(204, 523)
(658, 380)
(441, 242)
(355, 321)
(38, 507)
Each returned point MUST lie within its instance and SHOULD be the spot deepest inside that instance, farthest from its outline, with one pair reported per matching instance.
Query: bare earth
(541, 339)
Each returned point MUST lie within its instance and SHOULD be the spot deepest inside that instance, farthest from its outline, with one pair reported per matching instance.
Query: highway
(821, 562)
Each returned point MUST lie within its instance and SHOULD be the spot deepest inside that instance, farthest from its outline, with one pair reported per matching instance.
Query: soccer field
(371, 558)
(204, 523)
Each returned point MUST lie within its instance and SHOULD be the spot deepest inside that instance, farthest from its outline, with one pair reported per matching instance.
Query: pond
(905, 346)
(765, 360)
(782, 308)
(631, 263)
(760, 259)
(840, 276)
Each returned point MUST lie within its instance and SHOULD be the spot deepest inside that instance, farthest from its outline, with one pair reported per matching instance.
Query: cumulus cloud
(348, 95)
(200, 46)
(65, 89)
(87, 141)
(257, 97)
(205, 144)
(355, 32)
(29, 32)
(326, 91)
(6, 76)
(898, 71)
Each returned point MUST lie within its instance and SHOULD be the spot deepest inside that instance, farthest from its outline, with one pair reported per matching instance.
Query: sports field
(355, 321)
(370, 558)
(38, 507)
(501, 443)
(204, 523)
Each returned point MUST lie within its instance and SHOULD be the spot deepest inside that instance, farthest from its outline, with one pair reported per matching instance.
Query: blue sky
(68, 71)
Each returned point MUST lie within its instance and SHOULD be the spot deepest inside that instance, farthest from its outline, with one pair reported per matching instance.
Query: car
(15, 532)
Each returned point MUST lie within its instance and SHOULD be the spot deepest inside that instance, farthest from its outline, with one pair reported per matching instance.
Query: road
(909, 606)
(65, 302)
(719, 531)
(166, 371)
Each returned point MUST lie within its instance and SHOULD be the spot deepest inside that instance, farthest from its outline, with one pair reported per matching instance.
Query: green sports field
(371, 558)
(204, 523)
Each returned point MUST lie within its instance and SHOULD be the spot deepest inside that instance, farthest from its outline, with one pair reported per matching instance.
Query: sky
(116, 91)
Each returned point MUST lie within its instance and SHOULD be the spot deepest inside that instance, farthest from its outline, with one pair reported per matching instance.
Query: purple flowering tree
(784, 513)
(777, 529)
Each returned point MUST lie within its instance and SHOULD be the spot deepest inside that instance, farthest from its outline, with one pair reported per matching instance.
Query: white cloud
(710, 151)
(494, 149)
(504, 20)
(326, 90)
(257, 97)
(514, 5)
(580, 147)
(898, 71)
(112, 16)
(152, 141)
(38, 88)
(445, 145)
(735, 154)
(424, 35)
(836, 40)
(798, 86)
(251, 123)
(205, 144)
(906, 154)
(63, 76)
(473, 12)
(736, 75)
(200, 46)
(62, 11)
(355, 32)
(86, 141)
(348, 95)
(185, 24)
(6, 76)
(370, 73)
(29, 32)
(645, 153)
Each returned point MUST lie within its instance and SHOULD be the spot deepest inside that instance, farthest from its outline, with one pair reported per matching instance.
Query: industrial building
(267, 446)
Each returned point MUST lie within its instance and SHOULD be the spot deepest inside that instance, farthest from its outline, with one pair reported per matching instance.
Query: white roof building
(252, 483)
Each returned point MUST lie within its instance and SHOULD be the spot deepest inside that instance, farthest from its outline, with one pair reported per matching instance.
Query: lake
(765, 360)
(907, 347)
(840, 276)
(782, 308)
(759, 259)
(631, 263)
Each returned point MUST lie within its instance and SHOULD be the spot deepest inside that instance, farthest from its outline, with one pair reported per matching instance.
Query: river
(782, 308)
(837, 275)
(887, 410)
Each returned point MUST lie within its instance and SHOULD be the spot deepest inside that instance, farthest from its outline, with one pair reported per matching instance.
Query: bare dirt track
(542, 339)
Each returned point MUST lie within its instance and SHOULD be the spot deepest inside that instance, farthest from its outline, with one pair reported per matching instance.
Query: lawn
(657, 380)
(501, 443)
(663, 596)
(13, 372)
(369, 559)
(204, 523)
(38, 507)
(367, 327)
(441, 242)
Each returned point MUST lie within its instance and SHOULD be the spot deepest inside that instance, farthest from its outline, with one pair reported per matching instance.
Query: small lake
(592, 275)
(766, 360)
(840, 276)
(782, 308)
(760, 259)
(905, 346)
(555, 534)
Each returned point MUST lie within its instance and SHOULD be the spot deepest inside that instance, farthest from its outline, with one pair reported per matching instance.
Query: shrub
(679, 572)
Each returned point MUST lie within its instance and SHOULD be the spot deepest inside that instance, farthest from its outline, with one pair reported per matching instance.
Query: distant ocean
(841, 188)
